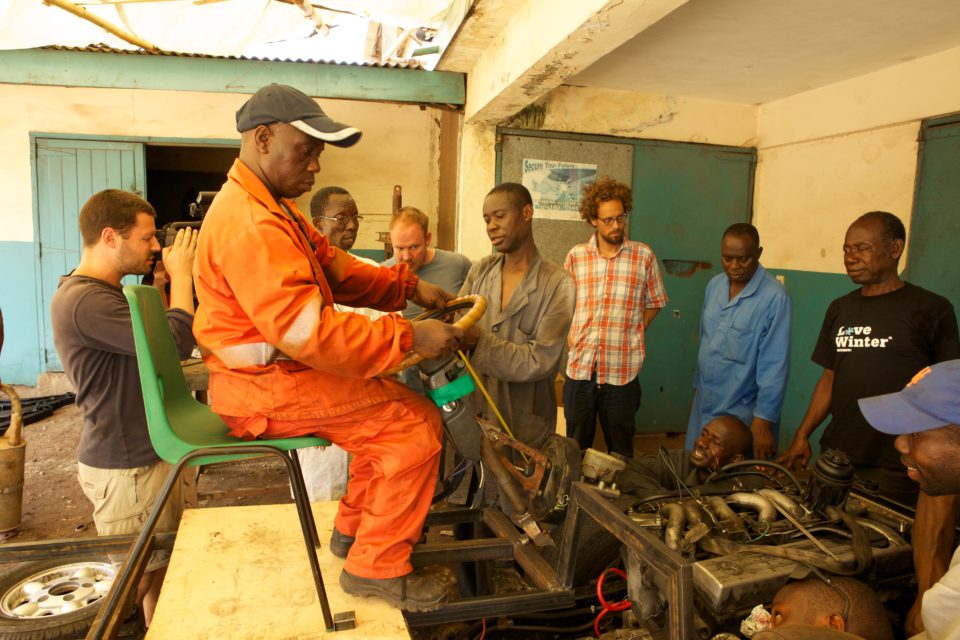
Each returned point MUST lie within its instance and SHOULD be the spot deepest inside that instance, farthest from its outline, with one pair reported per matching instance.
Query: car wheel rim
(58, 590)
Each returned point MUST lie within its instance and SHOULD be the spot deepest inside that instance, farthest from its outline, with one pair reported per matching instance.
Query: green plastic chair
(185, 432)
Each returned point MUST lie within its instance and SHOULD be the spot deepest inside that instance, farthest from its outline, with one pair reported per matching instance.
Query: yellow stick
(483, 390)
(81, 12)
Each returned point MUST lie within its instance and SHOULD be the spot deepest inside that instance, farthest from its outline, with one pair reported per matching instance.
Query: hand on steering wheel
(475, 306)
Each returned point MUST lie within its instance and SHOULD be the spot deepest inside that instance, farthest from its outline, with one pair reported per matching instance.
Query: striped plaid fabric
(606, 336)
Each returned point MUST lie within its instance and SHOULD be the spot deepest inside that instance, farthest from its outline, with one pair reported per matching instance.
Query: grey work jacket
(520, 347)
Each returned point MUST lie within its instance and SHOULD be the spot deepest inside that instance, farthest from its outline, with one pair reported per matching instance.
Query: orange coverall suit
(284, 363)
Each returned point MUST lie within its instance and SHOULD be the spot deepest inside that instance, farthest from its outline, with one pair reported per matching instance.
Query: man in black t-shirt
(872, 342)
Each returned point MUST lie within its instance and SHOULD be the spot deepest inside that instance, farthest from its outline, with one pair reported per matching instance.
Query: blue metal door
(935, 225)
(68, 173)
(684, 196)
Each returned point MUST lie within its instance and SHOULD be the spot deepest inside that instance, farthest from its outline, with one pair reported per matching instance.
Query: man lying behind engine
(808, 608)
(724, 439)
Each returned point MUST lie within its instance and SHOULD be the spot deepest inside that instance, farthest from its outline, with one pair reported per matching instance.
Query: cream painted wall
(806, 194)
(824, 156)
(828, 155)
(398, 147)
(639, 115)
(477, 177)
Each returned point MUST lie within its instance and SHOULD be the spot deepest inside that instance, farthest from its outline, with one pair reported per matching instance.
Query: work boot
(340, 543)
(412, 592)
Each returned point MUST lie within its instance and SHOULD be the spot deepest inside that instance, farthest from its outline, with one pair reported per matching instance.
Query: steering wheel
(475, 306)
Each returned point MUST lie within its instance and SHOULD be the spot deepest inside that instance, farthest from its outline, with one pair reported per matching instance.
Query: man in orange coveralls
(283, 362)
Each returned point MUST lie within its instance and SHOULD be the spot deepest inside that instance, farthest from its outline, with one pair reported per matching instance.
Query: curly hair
(603, 190)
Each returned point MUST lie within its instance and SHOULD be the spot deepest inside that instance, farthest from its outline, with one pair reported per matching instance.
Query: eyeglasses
(620, 219)
(342, 220)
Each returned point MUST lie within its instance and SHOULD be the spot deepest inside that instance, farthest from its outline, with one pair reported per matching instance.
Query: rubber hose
(756, 463)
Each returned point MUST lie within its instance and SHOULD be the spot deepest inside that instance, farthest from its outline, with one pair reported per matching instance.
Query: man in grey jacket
(518, 343)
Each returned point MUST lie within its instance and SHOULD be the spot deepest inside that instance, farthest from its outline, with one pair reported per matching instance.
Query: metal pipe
(723, 511)
(766, 512)
(796, 523)
(692, 512)
(675, 524)
(784, 501)
(504, 480)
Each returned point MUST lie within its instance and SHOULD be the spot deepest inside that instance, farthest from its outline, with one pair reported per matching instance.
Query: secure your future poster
(556, 186)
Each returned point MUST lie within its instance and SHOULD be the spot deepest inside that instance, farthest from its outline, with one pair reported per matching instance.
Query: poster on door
(556, 186)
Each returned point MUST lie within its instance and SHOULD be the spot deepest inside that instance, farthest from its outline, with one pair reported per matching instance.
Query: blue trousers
(616, 405)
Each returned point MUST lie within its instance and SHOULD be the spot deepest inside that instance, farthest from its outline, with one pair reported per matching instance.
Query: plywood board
(242, 573)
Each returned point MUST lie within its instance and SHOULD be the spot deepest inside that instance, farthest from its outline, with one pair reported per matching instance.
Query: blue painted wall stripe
(19, 359)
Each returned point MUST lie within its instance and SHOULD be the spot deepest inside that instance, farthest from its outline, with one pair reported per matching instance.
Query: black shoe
(340, 543)
(412, 592)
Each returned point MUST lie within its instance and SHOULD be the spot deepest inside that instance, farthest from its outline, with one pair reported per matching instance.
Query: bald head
(812, 601)
(723, 440)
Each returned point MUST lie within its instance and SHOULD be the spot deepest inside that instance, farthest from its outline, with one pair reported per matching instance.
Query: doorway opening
(177, 173)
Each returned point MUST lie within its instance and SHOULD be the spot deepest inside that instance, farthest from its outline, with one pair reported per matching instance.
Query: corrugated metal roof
(102, 48)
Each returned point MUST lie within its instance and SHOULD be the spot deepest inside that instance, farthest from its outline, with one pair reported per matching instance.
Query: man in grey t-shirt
(118, 468)
(410, 237)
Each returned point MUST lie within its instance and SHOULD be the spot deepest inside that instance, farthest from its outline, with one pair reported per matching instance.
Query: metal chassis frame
(554, 588)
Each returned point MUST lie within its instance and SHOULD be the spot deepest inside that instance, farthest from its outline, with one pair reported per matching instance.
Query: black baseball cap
(282, 103)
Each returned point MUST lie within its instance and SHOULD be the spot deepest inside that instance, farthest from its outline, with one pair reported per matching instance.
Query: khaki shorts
(123, 498)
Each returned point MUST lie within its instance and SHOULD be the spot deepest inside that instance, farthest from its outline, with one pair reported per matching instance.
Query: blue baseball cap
(930, 401)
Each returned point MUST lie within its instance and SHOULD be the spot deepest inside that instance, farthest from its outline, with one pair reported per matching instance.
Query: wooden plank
(178, 73)
(242, 573)
(196, 374)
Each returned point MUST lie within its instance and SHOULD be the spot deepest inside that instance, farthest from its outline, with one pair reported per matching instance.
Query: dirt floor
(54, 506)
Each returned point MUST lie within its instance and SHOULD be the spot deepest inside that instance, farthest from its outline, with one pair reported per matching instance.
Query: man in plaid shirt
(619, 293)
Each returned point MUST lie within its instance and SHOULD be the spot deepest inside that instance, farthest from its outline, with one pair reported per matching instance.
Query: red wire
(596, 623)
(623, 605)
(483, 631)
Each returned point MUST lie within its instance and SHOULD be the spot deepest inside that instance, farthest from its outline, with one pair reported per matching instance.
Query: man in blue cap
(925, 417)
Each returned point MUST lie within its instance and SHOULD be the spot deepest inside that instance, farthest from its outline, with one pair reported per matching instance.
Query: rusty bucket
(12, 453)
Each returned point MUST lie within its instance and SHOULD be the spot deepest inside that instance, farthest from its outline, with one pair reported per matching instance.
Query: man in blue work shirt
(744, 344)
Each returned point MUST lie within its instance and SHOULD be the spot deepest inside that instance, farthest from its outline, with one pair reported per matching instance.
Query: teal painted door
(68, 173)
(935, 225)
(684, 196)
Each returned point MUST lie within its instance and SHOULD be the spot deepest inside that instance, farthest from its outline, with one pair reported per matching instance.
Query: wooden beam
(182, 73)
(83, 14)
